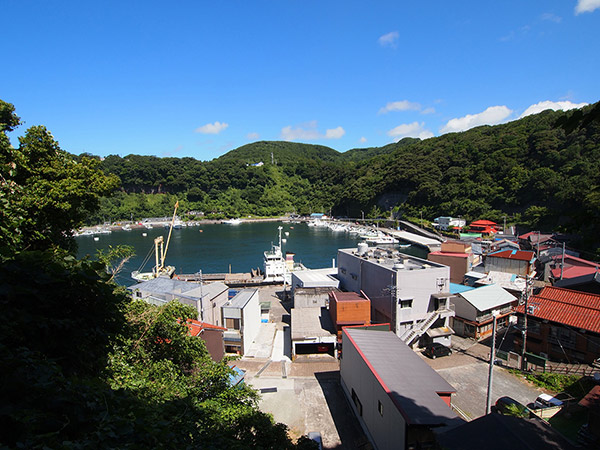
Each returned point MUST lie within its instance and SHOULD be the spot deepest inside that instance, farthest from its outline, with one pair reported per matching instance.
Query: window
(380, 408)
(357, 402)
(232, 324)
(406, 303)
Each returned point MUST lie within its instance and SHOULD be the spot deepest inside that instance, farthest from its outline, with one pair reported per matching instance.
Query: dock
(431, 244)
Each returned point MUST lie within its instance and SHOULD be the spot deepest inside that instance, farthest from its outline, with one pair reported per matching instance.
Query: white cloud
(403, 105)
(253, 136)
(586, 6)
(335, 133)
(389, 39)
(212, 128)
(551, 17)
(414, 129)
(309, 132)
(491, 116)
(428, 111)
(362, 140)
(555, 106)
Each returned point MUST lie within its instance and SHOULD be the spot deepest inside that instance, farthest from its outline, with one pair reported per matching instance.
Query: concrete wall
(463, 308)
(386, 431)
(250, 320)
(506, 265)
(311, 297)
(458, 265)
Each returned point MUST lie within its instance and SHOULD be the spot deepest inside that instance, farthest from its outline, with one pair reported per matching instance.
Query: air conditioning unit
(531, 310)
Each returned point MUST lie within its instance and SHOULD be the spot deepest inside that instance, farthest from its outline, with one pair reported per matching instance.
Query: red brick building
(349, 309)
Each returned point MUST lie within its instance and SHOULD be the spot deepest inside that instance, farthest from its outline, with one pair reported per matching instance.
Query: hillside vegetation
(542, 171)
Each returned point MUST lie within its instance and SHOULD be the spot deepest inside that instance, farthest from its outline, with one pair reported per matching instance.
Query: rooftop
(392, 259)
(311, 322)
(412, 385)
(195, 327)
(488, 297)
(519, 255)
(241, 298)
(567, 307)
(350, 297)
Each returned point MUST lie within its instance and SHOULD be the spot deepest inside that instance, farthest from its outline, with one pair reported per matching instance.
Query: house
(312, 287)
(412, 294)
(241, 316)
(561, 267)
(534, 240)
(584, 283)
(513, 283)
(520, 262)
(485, 227)
(446, 223)
(212, 336)
(500, 432)
(207, 298)
(398, 399)
(458, 256)
(562, 324)
(349, 309)
(474, 310)
(312, 332)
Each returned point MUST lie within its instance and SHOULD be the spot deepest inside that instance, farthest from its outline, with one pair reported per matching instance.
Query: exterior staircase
(420, 328)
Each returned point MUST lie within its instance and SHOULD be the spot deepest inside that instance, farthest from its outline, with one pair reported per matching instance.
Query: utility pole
(488, 403)
(562, 263)
(526, 295)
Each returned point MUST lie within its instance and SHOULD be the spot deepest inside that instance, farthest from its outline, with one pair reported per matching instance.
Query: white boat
(233, 221)
(160, 254)
(382, 240)
(278, 267)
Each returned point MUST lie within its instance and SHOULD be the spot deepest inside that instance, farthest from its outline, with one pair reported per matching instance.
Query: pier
(431, 244)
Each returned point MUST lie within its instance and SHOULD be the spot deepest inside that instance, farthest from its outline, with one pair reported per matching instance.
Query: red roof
(483, 223)
(520, 255)
(567, 307)
(573, 267)
(196, 327)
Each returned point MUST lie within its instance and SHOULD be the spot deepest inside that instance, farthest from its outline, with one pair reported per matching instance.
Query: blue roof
(237, 377)
(456, 288)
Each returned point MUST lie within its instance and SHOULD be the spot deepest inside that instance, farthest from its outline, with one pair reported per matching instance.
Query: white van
(546, 401)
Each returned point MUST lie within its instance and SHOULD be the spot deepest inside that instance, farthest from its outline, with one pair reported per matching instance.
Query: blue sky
(196, 78)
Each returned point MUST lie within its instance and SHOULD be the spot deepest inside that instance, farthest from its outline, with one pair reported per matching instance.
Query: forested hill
(541, 171)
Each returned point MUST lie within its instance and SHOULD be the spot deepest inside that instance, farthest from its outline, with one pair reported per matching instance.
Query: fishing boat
(160, 254)
(279, 267)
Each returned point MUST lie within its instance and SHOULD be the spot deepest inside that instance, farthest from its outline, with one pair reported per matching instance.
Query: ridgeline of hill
(542, 171)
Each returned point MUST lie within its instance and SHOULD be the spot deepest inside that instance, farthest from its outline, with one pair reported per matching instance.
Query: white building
(445, 223)
(412, 294)
(241, 317)
(207, 299)
(398, 399)
(311, 288)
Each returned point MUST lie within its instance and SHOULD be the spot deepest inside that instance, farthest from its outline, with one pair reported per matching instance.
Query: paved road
(467, 370)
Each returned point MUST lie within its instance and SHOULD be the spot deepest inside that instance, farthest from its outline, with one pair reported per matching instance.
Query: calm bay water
(213, 248)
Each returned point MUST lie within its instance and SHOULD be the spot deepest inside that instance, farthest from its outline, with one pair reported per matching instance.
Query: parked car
(511, 407)
(434, 350)
(546, 401)
(316, 436)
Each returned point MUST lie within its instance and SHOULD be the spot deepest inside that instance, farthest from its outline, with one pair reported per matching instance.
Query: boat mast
(164, 254)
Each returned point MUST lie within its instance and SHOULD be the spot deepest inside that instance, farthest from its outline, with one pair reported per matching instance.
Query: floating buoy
(200, 230)
(96, 238)
(144, 234)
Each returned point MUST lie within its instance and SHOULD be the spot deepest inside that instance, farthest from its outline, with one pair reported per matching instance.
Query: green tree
(45, 191)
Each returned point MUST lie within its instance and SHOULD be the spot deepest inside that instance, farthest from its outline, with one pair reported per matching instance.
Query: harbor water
(222, 248)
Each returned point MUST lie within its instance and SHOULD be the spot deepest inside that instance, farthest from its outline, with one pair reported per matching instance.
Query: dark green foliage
(542, 170)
